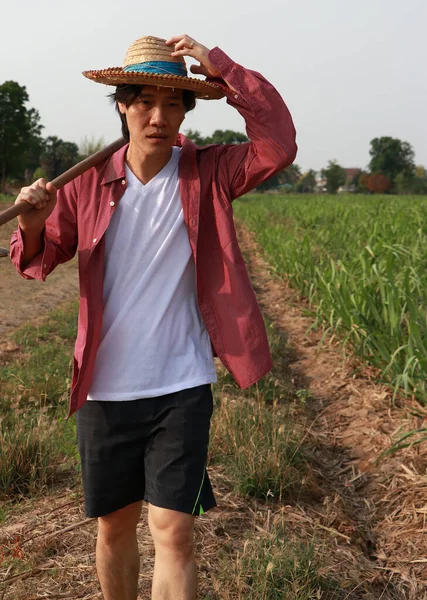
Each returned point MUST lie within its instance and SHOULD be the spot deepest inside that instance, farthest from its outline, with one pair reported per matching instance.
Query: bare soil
(22, 300)
(367, 518)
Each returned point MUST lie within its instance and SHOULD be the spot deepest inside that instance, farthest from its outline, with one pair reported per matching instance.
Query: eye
(144, 102)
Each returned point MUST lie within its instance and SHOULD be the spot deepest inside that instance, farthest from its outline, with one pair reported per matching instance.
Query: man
(163, 286)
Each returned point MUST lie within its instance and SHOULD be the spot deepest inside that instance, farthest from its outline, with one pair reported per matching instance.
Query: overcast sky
(348, 70)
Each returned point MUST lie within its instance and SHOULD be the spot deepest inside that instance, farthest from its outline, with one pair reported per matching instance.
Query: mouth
(157, 136)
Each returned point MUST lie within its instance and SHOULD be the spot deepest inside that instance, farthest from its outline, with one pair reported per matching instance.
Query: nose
(157, 116)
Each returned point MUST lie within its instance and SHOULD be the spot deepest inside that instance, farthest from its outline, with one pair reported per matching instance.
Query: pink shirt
(210, 178)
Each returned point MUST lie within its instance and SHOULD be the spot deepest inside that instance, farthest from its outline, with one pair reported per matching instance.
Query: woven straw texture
(150, 48)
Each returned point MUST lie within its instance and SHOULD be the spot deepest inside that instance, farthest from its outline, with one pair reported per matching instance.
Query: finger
(40, 205)
(175, 39)
(185, 52)
(39, 193)
(39, 185)
(185, 42)
(51, 190)
(198, 70)
(35, 196)
(26, 197)
(40, 182)
(37, 190)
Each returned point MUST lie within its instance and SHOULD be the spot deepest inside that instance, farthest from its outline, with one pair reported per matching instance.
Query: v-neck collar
(163, 174)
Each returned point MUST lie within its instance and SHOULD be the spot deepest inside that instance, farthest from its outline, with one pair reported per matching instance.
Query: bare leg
(175, 575)
(117, 557)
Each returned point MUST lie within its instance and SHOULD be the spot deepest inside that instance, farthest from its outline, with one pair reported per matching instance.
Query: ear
(122, 107)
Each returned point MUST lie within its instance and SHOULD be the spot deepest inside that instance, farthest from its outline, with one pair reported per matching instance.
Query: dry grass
(346, 528)
(48, 549)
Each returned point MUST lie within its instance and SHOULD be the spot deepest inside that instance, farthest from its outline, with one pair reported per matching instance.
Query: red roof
(351, 173)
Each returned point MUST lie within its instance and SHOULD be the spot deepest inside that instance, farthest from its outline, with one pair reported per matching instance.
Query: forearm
(36, 248)
(269, 127)
(33, 241)
(267, 117)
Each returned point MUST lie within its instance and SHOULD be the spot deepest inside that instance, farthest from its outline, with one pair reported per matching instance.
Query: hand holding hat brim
(149, 61)
(186, 46)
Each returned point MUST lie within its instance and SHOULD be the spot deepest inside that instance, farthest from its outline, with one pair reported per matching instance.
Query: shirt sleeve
(60, 238)
(269, 126)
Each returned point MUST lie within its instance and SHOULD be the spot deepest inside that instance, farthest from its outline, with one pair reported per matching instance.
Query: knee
(119, 525)
(172, 531)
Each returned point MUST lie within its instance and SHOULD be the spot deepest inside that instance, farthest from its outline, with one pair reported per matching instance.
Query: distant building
(349, 185)
(320, 182)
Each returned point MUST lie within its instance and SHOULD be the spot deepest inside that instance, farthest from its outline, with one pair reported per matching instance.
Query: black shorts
(153, 449)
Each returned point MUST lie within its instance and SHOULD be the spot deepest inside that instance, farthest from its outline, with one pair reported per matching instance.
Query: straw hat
(149, 62)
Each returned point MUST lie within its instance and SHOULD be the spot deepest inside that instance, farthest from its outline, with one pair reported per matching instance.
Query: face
(154, 118)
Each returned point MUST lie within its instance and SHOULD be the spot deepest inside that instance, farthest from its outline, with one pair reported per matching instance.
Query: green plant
(359, 262)
(43, 378)
(272, 567)
(260, 448)
(37, 446)
(30, 456)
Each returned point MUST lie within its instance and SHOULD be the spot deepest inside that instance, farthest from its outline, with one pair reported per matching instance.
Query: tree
(405, 184)
(289, 177)
(227, 136)
(20, 132)
(334, 175)
(419, 186)
(421, 172)
(377, 183)
(196, 137)
(219, 136)
(307, 183)
(58, 156)
(391, 156)
(272, 183)
(362, 182)
(39, 173)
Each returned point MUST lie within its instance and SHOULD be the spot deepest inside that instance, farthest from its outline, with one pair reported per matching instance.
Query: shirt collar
(115, 166)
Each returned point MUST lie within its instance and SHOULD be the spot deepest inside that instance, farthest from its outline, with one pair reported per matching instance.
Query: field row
(361, 263)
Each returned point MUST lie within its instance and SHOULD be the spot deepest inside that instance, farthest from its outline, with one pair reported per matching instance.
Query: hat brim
(117, 76)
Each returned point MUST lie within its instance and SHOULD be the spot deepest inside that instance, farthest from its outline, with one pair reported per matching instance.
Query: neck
(146, 166)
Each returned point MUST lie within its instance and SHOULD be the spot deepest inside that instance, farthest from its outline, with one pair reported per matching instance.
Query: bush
(39, 173)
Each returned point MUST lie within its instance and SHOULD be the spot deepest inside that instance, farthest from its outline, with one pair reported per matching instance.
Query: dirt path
(367, 520)
(378, 509)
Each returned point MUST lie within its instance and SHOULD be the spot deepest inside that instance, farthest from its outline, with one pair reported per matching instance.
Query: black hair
(128, 93)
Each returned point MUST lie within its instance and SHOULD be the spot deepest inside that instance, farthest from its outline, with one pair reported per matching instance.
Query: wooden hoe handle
(61, 180)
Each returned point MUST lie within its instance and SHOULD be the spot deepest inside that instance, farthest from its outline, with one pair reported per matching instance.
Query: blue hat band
(158, 68)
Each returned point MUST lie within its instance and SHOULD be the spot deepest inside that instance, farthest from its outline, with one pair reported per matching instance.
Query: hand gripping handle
(61, 180)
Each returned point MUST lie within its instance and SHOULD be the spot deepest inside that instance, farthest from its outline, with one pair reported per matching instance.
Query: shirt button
(94, 240)
(192, 222)
(45, 266)
(123, 181)
(112, 203)
(236, 96)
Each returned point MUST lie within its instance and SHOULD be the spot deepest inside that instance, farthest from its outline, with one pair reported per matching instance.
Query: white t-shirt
(153, 339)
